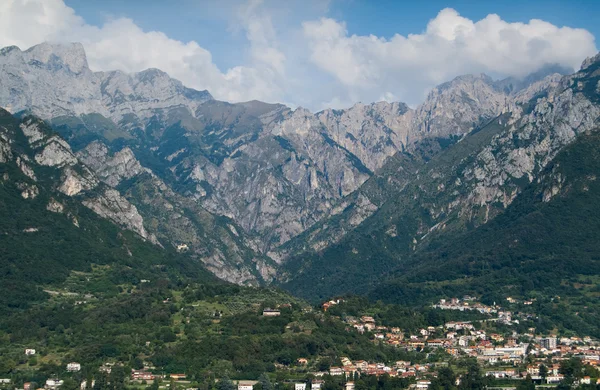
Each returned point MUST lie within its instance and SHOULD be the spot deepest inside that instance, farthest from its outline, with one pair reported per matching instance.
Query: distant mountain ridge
(274, 172)
(53, 80)
(457, 193)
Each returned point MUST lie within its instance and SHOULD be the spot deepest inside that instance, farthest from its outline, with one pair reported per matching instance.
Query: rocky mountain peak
(53, 80)
(589, 61)
(69, 56)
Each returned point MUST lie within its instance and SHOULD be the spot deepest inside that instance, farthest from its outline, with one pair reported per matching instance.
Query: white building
(300, 386)
(53, 383)
(30, 351)
(73, 367)
(268, 312)
(245, 385)
(316, 384)
(549, 343)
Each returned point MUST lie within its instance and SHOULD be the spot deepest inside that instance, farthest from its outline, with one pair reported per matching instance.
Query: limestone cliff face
(476, 180)
(372, 132)
(456, 106)
(70, 177)
(110, 169)
(533, 139)
(175, 220)
(456, 190)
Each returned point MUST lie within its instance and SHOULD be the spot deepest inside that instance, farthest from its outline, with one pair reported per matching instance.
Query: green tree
(69, 384)
(101, 381)
(571, 368)
(472, 380)
(265, 382)
(526, 384)
(155, 384)
(225, 384)
(445, 380)
(117, 378)
(543, 372)
(137, 364)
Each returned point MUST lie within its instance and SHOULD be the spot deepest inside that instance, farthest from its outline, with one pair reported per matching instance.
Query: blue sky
(313, 53)
(209, 23)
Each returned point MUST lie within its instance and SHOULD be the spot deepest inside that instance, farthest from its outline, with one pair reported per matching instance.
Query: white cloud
(316, 63)
(121, 44)
(407, 66)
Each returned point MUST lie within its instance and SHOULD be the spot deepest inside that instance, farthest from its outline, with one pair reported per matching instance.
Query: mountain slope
(268, 181)
(46, 233)
(545, 244)
(461, 188)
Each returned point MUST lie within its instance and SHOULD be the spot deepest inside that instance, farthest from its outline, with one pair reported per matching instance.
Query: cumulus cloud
(407, 66)
(121, 44)
(315, 63)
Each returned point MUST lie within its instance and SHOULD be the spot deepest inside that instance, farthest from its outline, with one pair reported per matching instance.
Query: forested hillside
(544, 245)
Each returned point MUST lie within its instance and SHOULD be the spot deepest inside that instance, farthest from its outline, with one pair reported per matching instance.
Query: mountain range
(334, 202)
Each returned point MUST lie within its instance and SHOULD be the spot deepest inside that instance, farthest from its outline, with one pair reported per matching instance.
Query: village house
(302, 361)
(73, 367)
(29, 351)
(333, 302)
(586, 380)
(299, 386)
(349, 386)
(435, 343)
(245, 385)
(139, 375)
(268, 312)
(533, 370)
(336, 371)
(53, 383)
(106, 368)
(316, 384)
(554, 378)
(177, 377)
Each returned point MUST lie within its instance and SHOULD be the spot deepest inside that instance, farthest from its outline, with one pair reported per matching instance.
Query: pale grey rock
(111, 205)
(279, 192)
(53, 80)
(25, 168)
(32, 131)
(174, 218)
(74, 183)
(110, 169)
(56, 153)
(5, 148)
(457, 107)
(55, 206)
(589, 61)
(28, 191)
(372, 132)
(555, 121)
